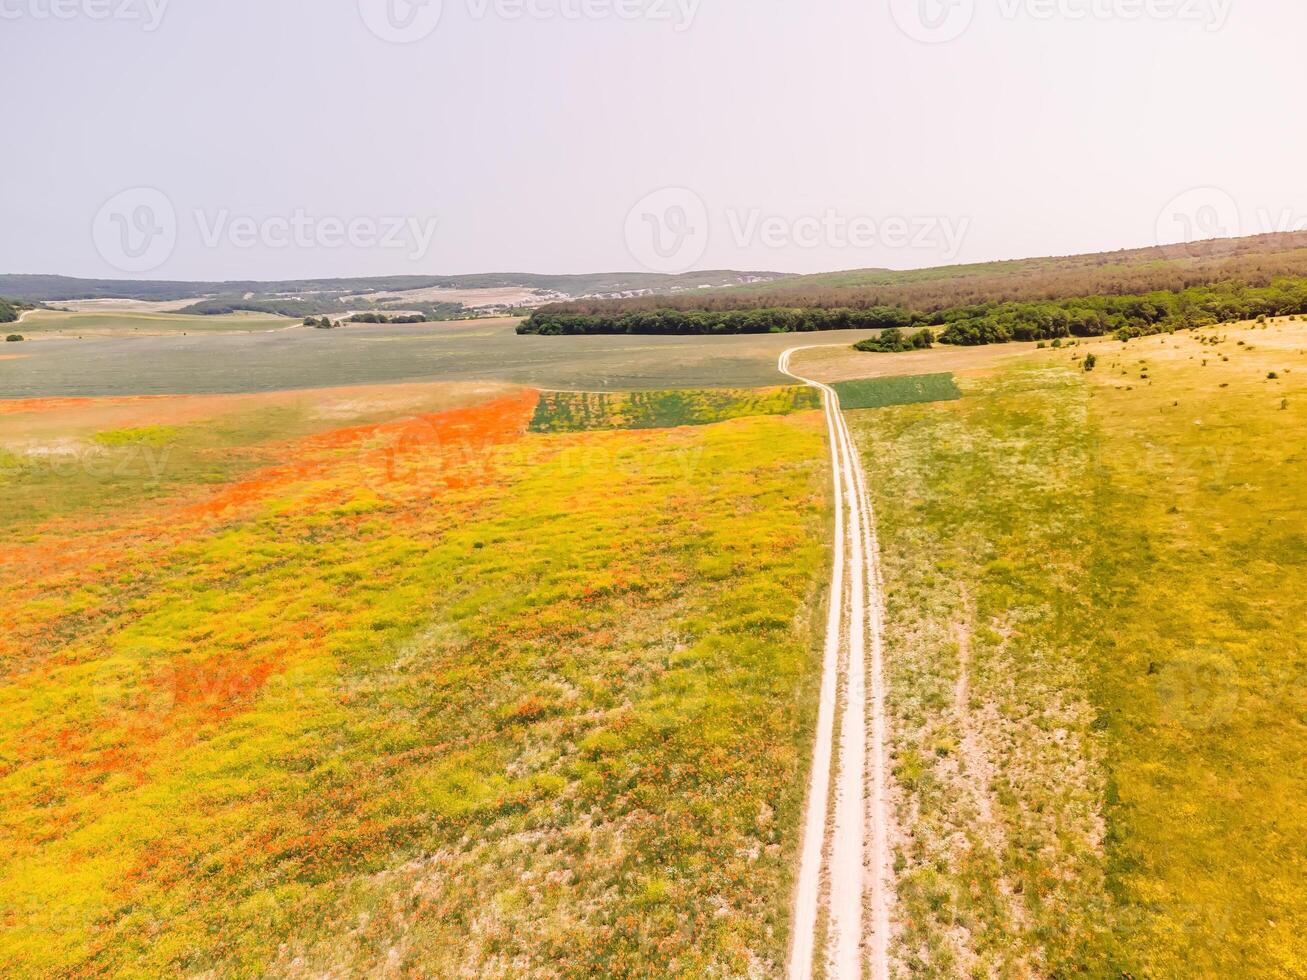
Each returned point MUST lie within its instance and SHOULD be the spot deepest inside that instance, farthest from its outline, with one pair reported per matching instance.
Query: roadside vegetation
(566, 411)
(1095, 641)
(429, 694)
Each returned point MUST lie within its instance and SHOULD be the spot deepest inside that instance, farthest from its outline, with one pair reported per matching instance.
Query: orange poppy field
(349, 681)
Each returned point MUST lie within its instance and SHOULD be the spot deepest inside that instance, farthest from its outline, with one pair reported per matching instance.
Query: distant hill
(1128, 293)
(325, 293)
(1256, 261)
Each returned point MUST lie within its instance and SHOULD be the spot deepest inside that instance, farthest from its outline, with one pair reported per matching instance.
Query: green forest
(1125, 316)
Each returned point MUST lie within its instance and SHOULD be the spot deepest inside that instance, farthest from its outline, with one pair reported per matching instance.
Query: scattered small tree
(1091, 361)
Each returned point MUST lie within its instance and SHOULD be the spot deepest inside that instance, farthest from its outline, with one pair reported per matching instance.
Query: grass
(589, 411)
(1095, 638)
(253, 361)
(127, 323)
(431, 695)
(907, 390)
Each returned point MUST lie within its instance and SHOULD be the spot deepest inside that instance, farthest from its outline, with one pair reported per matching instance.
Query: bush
(14, 338)
(1091, 361)
(893, 341)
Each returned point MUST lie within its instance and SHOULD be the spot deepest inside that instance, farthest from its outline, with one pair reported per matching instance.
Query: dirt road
(846, 825)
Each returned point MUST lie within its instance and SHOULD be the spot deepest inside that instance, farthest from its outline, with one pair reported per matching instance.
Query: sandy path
(857, 864)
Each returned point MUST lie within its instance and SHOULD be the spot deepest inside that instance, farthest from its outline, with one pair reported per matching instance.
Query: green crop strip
(883, 392)
(569, 411)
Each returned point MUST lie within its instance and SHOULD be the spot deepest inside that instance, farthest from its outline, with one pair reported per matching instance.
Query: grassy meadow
(128, 322)
(1096, 633)
(363, 685)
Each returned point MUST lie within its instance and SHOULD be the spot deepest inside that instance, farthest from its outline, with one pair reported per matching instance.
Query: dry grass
(843, 363)
(1095, 633)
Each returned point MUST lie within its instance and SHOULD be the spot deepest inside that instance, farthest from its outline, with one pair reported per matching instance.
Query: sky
(274, 139)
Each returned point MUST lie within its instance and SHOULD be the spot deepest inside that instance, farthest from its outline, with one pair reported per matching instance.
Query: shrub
(893, 341)
(14, 338)
(1091, 361)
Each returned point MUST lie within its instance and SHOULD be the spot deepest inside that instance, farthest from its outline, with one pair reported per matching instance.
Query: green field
(482, 350)
(563, 411)
(109, 323)
(1096, 635)
(910, 390)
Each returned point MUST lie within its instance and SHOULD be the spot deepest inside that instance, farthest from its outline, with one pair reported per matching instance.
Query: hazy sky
(270, 139)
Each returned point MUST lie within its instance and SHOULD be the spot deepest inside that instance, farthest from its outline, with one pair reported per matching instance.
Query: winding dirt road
(845, 830)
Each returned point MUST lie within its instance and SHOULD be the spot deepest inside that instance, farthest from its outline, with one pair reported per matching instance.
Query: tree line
(1125, 316)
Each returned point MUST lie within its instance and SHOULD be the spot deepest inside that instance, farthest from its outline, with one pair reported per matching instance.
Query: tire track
(858, 860)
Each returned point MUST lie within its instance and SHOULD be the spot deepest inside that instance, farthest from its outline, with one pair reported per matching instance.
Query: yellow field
(1097, 627)
(427, 693)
